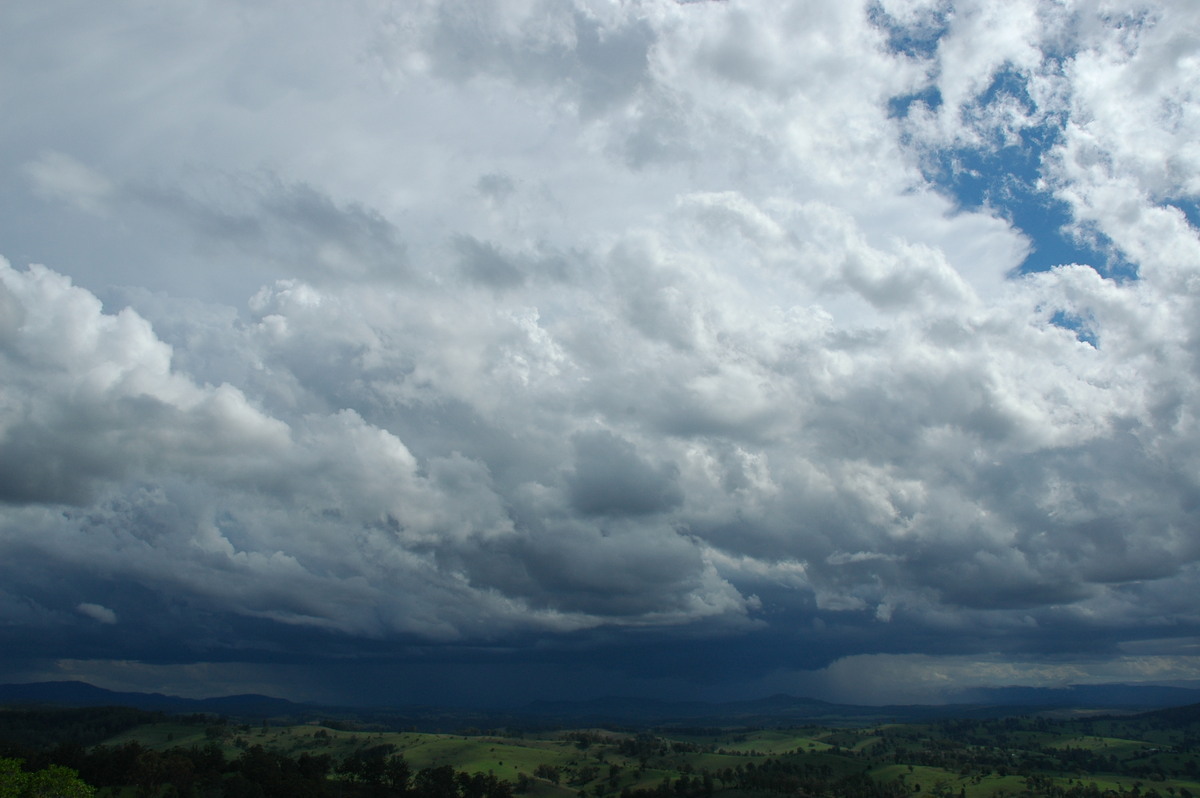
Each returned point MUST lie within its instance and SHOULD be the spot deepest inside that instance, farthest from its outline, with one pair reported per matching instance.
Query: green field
(604, 766)
(1002, 758)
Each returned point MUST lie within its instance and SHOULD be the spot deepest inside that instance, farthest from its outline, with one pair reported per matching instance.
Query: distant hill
(81, 694)
(1114, 696)
(1175, 716)
(619, 709)
(777, 710)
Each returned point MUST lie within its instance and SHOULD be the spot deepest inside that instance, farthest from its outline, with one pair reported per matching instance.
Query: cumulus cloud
(304, 522)
(97, 612)
(665, 323)
(91, 398)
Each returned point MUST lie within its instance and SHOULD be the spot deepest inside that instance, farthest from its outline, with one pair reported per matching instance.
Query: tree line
(205, 772)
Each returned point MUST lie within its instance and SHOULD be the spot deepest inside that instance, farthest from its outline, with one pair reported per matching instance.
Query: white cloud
(1129, 146)
(97, 612)
(303, 522)
(923, 679)
(597, 316)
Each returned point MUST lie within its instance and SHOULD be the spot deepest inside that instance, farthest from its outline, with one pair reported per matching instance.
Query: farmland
(1154, 754)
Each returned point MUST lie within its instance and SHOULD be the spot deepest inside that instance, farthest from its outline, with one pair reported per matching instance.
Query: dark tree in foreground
(54, 781)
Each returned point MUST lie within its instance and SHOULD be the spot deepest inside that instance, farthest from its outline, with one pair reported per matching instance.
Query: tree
(437, 782)
(548, 772)
(53, 782)
(58, 782)
(397, 773)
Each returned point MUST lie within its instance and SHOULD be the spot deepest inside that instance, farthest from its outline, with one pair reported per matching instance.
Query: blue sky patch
(1191, 210)
(1006, 181)
(1082, 327)
(1004, 178)
(900, 107)
(914, 41)
(1008, 83)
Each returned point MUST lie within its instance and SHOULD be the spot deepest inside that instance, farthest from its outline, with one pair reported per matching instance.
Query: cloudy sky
(442, 350)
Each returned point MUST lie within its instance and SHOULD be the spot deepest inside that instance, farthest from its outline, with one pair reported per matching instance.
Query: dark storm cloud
(610, 478)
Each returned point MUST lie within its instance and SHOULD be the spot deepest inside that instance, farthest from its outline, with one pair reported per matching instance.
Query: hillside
(1131, 756)
(777, 710)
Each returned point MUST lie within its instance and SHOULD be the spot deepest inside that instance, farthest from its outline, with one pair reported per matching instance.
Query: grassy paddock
(971, 760)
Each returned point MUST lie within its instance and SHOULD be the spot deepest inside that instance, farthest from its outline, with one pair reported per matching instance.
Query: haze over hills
(774, 710)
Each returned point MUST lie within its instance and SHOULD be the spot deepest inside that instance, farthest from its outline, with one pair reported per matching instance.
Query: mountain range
(774, 710)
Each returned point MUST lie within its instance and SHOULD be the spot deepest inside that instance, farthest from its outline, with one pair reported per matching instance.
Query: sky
(480, 352)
